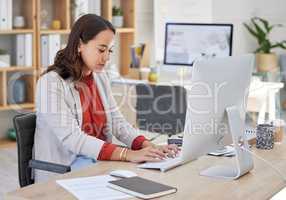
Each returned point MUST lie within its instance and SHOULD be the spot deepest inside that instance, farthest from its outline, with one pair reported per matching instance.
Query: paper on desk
(280, 195)
(94, 187)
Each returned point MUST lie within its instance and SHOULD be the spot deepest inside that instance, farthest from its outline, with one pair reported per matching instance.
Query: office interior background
(145, 25)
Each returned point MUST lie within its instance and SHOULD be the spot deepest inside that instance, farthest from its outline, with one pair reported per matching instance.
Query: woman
(76, 113)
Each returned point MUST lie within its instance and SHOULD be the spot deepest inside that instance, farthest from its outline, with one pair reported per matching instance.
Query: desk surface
(261, 183)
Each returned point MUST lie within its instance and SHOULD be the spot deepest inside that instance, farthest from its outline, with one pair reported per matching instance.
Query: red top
(94, 117)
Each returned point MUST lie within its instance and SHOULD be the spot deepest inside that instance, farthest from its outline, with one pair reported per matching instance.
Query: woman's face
(96, 52)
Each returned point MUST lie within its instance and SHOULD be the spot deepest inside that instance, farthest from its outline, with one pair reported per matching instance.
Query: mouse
(123, 173)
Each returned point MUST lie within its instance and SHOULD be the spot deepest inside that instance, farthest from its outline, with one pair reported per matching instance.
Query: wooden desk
(261, 183)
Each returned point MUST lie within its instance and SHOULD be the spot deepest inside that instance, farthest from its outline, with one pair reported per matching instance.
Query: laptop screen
(188, 42)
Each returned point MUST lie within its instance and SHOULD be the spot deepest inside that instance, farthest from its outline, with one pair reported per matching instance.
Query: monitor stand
(243, 159)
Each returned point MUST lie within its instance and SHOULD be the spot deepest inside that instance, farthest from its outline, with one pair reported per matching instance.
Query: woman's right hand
(148, 154)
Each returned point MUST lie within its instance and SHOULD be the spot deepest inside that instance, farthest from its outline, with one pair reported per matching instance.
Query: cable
(268, 163)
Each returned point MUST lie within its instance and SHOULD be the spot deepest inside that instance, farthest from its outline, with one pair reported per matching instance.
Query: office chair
(161, 108)
(25, 125)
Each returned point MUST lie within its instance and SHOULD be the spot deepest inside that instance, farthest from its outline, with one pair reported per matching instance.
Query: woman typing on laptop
(76, 113)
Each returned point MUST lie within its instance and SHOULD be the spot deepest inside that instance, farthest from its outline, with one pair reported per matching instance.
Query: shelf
(17, 106)
(125, 30)
(6, 143)
(50, 31)
(15, 31)
(16, 68)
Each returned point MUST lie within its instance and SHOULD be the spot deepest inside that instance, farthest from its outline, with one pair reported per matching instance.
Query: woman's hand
(170, 150)
(147, 154)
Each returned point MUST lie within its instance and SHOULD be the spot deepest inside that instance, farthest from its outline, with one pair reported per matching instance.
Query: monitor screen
(188, 42)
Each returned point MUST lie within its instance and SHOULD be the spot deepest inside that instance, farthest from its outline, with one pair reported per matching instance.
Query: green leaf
(251, 31)
(260, 29)
(265, 24)
(279, 44)
(260, 32)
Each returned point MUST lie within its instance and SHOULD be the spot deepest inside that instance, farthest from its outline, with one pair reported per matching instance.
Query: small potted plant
(266, 60)
(117, 17)
(4, 58)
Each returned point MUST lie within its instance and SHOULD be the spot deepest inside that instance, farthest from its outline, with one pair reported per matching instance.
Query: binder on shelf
(80, 9)
(54, 45)
(3, 14)
(9, 14)
(28, 50)
(94, 7)
(84, 7)
(20, 49)
(45, 50)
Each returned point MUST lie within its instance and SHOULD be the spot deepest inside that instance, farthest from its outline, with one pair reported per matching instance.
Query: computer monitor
(217, 98)
(216, 106)
(188, 42)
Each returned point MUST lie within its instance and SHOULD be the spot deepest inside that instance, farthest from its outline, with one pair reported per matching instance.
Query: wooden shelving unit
(60, 10)
(126, 34)
(27, 73)
(16, 31)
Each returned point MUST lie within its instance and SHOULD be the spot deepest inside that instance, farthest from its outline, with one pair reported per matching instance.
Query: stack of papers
(94, 187)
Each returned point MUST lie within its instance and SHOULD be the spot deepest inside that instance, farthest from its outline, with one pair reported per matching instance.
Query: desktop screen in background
(185, 43)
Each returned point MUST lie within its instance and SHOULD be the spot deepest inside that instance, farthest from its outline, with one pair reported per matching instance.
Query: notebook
(141, 187)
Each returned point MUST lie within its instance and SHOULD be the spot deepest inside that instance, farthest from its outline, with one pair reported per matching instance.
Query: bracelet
(125, 155)
(121, 152)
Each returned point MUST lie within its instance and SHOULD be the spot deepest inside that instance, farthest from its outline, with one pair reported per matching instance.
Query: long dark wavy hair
(68, 62)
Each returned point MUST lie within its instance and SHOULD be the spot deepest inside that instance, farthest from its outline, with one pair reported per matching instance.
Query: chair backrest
(25, 125)
(161, 108)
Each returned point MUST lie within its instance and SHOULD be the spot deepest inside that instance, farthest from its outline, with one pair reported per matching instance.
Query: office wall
(177, 11)
(239, 11)
(144, 25)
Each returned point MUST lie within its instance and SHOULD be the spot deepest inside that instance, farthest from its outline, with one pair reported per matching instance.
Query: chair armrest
(47, 166)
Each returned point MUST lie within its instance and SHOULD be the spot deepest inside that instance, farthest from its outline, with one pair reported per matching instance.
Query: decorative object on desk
(137, 54)
(279, 126)
(17, 91)
(56, 24)
(19, 22)
(117, 17)
(4, 58)
(144, 73)
(282, 64)
(44, 19)
(11, 134)
(261, 29)
(153, 75)
(265, 136)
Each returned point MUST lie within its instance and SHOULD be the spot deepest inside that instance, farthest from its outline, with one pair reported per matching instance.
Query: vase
(117, 21)
(266, 62)
(17, 92)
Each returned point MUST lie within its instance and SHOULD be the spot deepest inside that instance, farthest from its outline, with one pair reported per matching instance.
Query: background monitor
(188, 42)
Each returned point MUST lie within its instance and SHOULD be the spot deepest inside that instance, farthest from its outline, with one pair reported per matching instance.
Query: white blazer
(58, 137)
